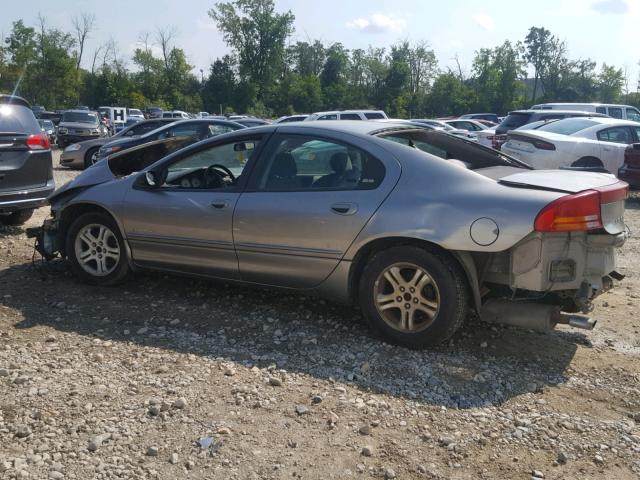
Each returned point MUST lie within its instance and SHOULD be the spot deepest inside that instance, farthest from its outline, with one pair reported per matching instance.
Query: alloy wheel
(406, 297)
(97, 250)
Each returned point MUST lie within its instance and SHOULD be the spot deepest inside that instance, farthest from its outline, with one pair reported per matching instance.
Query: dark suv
(26, 166)
(79, 125)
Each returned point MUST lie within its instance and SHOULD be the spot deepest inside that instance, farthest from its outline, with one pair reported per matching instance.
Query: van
(623, 112)
(348, 115)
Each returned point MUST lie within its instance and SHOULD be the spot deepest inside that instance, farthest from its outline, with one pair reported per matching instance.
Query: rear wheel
(16, 218)
(91, 157)
(413, 297)
(95, 249)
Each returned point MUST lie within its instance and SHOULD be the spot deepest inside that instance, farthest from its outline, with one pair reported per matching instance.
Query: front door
(307, 201)
(185, 224)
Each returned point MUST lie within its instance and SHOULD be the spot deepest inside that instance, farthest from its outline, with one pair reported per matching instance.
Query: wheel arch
(464, 260)
(586, 160)
(69, 213)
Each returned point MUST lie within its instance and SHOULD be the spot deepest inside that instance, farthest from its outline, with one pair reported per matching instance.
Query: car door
(184, 225)
(308, 198)
(613, 142)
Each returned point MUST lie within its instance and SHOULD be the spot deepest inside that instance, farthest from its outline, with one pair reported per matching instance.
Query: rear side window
(374, 116)
(615, 112)
(568, 126)
(515, 120)
(17, 119)
(349, 116)
(616, 135)
(633, 115)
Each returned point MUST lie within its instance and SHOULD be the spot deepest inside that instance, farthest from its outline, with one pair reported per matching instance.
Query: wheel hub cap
(406, 297)
(97, 250)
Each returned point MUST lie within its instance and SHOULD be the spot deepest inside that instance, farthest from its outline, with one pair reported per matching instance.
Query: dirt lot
(122, 382)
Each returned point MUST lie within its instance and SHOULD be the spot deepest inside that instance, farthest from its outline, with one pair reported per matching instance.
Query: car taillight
(542, 145)
(579, 212)
(38, 142)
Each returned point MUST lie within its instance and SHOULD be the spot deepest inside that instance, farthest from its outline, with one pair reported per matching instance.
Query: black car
(26, 164)
(55, 117)
(196, 130)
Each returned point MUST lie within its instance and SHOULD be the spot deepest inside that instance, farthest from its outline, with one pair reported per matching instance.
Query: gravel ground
(167, 377)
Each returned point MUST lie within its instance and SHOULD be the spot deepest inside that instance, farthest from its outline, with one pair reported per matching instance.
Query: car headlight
(73, 147)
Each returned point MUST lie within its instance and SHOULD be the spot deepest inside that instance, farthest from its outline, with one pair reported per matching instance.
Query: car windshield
(134, 111)
(80, 117)
(568, 126)
(450, 147)
(515, 120)
(46, 123)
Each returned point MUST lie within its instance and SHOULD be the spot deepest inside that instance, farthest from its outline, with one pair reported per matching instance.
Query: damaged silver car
(415, 226)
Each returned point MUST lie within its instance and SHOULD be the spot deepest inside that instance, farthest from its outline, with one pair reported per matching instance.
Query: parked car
(630, 170)
(84, 154)
(439, 124)
(490, 117)
(177, 114)
(623, 112)
(468, 125)
(135, 113)
(357, 212)
(49, 128)
(26, 170)
(196, 130)
(202, 114)
(78, 125)
(252, 122)
(292, 118)
(55, 117)
(589, 142)
(130, 121)
(81, 107)
(36, 109)
(496, 137)
(348, 115)
(153, 112)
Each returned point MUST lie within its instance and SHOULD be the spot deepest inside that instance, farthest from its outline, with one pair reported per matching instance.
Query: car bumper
(72, 159)
(630, 175)
(69, 139)
(25, 199)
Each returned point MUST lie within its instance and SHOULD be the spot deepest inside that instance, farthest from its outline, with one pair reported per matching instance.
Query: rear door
(20, 166)
(308, 198)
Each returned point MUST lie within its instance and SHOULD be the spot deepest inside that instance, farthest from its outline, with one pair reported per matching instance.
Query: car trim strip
(289, 250)
(180, 241)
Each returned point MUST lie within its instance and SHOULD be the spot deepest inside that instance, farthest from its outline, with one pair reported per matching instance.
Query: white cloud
(378, 23)
(484, 21)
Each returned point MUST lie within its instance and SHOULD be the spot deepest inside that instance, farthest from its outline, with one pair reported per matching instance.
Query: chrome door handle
(344, 208)
(220, 204)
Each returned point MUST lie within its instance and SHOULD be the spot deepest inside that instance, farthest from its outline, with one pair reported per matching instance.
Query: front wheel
(91, 157)
(95, 249)
(413, 297)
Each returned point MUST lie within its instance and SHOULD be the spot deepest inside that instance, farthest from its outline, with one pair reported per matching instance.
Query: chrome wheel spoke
(86, 256)
(97, 250)
(394, 278)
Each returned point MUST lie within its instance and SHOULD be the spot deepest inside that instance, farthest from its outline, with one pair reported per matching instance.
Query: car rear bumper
(14, 200)
(630, 175)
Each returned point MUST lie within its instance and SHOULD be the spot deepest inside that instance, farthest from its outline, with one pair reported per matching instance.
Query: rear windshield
(568, 126)
(17, 119)
(450, 147)
(515, 120)
(80, 117)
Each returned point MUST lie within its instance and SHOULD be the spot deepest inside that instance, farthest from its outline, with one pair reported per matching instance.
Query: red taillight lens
(581, 211)
(571, 213)
(542, 145)
(38, 142)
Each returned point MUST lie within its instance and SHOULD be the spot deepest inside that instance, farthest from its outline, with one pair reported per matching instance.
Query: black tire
(589, 162)
(19, 217)
(88, 155)
(121, 269)
(451, 286)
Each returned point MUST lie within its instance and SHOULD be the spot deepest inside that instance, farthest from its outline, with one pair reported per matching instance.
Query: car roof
(604, 121)
(357, 127)
(14, 100)
(554, 112)
(75, 110)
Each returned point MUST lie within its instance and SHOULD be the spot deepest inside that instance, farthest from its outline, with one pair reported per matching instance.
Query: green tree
(610, 84)
(220, 87)
(257, 34)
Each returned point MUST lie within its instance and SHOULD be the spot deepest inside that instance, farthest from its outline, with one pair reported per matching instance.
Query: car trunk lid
(20, 166)
(612, 191)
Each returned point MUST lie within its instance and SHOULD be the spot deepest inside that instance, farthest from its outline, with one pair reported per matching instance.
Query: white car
(135, 113)
(440, 125)
(466, 124)
(576, 142)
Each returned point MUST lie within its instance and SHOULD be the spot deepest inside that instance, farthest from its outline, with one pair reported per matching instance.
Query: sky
(603, 30)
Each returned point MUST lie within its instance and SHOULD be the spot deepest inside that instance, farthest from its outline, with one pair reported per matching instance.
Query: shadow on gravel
(483, 365)
(7, 231)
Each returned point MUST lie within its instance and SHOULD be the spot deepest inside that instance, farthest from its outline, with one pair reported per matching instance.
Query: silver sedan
(416, 226)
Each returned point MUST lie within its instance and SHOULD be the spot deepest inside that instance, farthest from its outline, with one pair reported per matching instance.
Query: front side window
(302, 163)
(191, 130)
(615, 112)
(332, 116)
(374, 116)
(616, 135)
(214, 168)
(633, 115)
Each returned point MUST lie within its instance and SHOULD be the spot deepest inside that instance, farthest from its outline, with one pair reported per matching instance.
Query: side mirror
(155, 179)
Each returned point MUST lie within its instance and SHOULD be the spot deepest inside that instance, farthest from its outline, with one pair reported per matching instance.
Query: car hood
(94, 175)
(77, 125)
(559, 180)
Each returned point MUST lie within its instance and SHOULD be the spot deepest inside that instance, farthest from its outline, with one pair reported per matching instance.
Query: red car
(630, 170)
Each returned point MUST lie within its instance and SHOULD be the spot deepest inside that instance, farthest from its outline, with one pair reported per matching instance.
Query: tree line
(267, 74)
